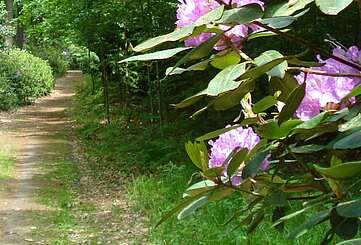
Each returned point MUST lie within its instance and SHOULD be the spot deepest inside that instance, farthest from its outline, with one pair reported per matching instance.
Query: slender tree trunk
(105, 87)
(9, 40)
(20, 30)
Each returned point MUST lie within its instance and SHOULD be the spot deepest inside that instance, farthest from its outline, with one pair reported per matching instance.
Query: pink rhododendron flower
(189, 11)
(321, 90)
(234, 139)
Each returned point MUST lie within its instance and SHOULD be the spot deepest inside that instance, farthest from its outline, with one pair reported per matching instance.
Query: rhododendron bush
(299, 143)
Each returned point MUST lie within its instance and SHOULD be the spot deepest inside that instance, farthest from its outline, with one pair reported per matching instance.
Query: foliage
(310, 160)
(23, 77)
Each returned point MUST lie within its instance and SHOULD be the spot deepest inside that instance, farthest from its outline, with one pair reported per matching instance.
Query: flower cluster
(322, 90)
(238, 138)
(189, 11)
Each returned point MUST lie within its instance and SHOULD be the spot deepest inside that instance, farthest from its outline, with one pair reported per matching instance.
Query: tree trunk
(20, 30)
(9, 40)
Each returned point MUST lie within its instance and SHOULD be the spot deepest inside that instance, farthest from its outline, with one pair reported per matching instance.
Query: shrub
(23, 78)
(54, 56)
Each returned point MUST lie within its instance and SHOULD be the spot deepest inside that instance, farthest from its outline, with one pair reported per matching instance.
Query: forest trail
(32, 133)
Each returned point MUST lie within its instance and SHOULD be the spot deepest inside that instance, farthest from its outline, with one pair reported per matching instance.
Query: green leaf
(216, 133)
(201, 66)
(181, 206)
(201, 51)
(224, 81)
(241, 15)
(213, 172)
(332, 7)
(254, 164)
(352, 124)
(310, 223)
(220, 194)
(236, 161)
(306, 148)
(188, 210)
(351, 141)
(356, 91)
(268, 56)
(346, 228)
(284, 8)
(271, 129)
(277, 199)
(257, 219)
(279, 22)
(264, 104)
(170, 37)
(341, 171)
(313, 122)
(232, 98)
(221, 60)
(263, 33)
(159, 55)
(198, 153)
(260, 70)
(350, 242)
(293, 101)
(349, 209)
(199, 187)
(211, 16)
(285, 85)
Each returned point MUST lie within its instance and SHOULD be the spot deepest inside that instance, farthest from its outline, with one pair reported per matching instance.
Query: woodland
(216, 121)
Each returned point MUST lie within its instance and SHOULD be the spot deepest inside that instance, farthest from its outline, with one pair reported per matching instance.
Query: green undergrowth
(157, 170)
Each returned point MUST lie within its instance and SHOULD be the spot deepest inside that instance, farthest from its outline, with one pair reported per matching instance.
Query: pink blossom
(321, 90)
(234, 139)
(189, 11)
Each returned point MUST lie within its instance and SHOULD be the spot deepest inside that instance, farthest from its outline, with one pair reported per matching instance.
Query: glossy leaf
(332, 7)
(221, 61)
(211, 16)
(216, 133)
(284, 8)
(268, 56)
(170, 37)
(351, 141)
(310, 223)
(159, 55)
(254, 164)
(201, 51)
(224, 81)
(350, 242)
(271, 129)
(352, 124)
(264, 104)
(292, 103)
(188, 210)
(349, 209)
(341, 171)
(241, 15)
(356, 91)
(236, 161)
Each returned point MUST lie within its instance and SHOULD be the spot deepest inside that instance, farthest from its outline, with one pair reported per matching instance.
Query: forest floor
(50, 197)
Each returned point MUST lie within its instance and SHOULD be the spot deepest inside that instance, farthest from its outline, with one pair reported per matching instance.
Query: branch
(323, 73)
(307, 44)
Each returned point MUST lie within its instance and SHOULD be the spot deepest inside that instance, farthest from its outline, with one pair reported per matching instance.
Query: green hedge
(23, 78)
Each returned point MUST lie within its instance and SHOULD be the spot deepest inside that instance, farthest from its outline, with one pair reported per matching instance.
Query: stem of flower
(323, 73)
(307, 44)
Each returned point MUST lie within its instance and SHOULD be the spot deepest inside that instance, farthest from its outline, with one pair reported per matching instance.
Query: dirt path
(32, 134)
